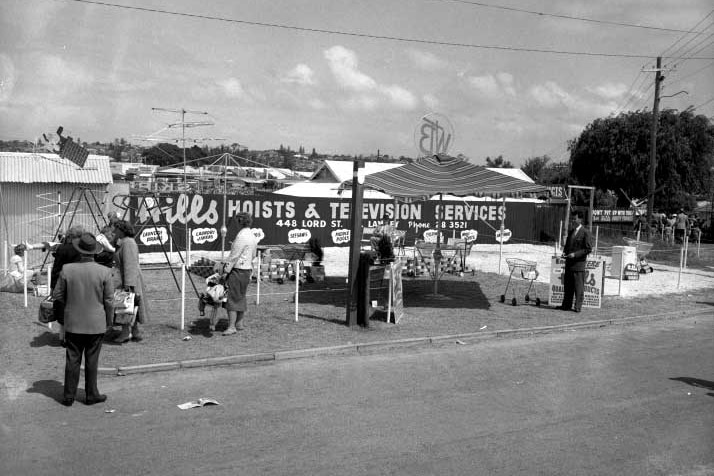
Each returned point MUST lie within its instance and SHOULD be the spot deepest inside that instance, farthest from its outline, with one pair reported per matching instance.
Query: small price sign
(503, 236)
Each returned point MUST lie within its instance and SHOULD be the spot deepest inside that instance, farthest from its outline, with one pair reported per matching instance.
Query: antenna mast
(184, 125)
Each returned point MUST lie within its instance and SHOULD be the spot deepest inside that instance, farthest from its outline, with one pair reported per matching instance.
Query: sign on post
(594, 282)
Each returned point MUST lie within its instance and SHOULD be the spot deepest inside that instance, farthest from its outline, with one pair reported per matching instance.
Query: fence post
(296, 265)
(24, 276)
(183, 294)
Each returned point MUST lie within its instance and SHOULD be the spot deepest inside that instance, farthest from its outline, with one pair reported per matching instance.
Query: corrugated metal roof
(25, 167)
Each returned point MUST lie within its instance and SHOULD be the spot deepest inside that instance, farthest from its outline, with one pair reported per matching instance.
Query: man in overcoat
(85, 288)
(577, 248)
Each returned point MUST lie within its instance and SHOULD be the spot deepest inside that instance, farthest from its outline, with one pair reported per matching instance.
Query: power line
(704, 103)
(687, 33)
(685, 52)
(565, 17)
(694, 73)
(371, 36)
(630, 94)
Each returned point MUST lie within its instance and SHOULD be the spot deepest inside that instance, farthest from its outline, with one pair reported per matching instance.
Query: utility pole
(653, 141)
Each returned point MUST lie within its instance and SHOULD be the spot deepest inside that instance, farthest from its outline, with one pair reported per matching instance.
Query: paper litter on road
(483, 327)
(186, 338)
(109, 410)
(198, 403)
(460, 342)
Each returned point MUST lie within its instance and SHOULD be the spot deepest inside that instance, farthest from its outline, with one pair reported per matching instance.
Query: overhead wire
(704, 103)
(631, 92)
(566, 17)
(368, 35)
(692, 30)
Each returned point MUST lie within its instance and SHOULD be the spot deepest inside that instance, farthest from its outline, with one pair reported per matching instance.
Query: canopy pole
(224, 229)
(437, 251)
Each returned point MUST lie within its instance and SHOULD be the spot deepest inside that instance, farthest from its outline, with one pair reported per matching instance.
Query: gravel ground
(489, 258)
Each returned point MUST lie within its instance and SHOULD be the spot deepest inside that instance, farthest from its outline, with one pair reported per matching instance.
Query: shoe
(562, 308)
(67, 402)
(136, 338)
(95, 400)
(240, 326)
(230, 331)
(212, 328)
(576, 310)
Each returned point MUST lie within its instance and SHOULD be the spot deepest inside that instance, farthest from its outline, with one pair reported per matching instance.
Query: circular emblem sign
(434, 135)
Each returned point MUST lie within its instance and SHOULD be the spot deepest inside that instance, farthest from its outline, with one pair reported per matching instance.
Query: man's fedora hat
(87, 244)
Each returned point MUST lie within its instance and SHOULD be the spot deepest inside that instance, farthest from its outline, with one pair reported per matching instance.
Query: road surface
(635, 400)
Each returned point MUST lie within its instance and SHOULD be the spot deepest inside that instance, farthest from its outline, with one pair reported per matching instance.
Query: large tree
(614, 153)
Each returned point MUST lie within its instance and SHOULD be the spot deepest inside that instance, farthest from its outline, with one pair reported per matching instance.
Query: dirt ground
(465, 305)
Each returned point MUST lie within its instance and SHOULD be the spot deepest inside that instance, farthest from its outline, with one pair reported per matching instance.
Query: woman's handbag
(123, 302)
(46, 313)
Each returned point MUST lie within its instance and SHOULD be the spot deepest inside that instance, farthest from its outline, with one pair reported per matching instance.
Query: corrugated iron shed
(23, 167)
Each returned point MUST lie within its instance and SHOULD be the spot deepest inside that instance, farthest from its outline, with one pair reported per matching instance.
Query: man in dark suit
(85, 288)
(577, 248)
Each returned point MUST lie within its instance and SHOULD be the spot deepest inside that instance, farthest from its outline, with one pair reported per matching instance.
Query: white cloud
(316, 104)
(506, 81)
(399, 97)
(609, 90)
(301, 74)
(425, 60)
(233, 88)
(361, 102)
(493, 87)
(7, 77)
(366, 93)
(431, 101)
(63, 76)
(343, 64)
(551, 95)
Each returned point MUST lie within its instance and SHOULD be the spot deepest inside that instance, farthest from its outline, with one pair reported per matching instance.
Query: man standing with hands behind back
(577, 248)
(85, 288)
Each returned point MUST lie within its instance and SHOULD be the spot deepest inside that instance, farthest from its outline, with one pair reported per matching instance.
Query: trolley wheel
(281, 280)
(514, 302)
(651, 269)
(538, 302)
(503, 298)
(528, 298)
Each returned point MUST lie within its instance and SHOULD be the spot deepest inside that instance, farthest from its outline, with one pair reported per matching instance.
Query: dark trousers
(88, 345)
(574, 282)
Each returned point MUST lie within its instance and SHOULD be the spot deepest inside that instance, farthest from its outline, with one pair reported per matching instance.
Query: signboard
(160, 219)
(594, 282)
(396, 297)
(626, 215)
(503, 236)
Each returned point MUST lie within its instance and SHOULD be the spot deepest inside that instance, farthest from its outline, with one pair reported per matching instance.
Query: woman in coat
(128, 275)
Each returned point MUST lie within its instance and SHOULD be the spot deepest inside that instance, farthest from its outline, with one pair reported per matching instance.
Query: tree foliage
(614, 153)
(498, 162)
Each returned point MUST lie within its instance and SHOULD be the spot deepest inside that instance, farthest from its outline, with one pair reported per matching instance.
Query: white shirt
(243, 250)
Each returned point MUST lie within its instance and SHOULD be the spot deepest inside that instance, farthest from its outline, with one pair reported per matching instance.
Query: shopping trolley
(642, 248)
(521, 269)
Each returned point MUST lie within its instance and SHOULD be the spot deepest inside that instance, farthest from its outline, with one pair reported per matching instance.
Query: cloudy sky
(339, 75)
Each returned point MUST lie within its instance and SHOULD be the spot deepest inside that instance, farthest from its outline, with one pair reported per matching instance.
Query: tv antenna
(184, 125)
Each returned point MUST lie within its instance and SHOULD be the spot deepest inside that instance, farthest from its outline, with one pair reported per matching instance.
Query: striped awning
(442, 174)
